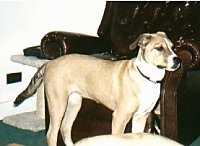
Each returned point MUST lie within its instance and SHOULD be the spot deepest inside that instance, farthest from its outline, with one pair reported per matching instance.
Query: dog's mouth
(161, 67)
(175, 65)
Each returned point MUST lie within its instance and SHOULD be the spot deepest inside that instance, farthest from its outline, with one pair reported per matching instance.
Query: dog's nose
(177, 60)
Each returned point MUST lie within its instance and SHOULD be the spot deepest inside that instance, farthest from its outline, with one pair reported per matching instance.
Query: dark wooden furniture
(122, 23)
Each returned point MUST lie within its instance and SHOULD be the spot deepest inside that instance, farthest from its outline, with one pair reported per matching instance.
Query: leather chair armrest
(189, 52)
(173, 88)
(58, 43)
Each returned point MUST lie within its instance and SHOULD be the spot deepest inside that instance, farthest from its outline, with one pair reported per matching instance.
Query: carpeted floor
(196, 142)
(10, 136)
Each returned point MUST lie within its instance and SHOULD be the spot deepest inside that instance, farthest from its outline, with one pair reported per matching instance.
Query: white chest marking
(148, 97)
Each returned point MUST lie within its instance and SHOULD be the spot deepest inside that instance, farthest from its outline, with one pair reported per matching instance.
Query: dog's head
(156, 49)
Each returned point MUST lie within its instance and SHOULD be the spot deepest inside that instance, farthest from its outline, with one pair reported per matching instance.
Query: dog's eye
(159, 49)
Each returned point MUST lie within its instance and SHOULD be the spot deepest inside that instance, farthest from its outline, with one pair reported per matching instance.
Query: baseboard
(7, 108)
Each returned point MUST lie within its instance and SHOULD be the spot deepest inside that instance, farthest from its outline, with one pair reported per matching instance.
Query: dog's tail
(32, 87)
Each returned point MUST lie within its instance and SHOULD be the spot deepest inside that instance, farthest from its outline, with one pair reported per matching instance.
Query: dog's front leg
(122, 114)
(119, 121)
(138, 122)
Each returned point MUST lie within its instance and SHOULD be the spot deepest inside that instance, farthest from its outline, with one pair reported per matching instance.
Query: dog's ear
(144, 40)
(141, 41)
(161, 33)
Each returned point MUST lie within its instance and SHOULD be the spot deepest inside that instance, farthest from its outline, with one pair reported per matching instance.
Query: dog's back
(85, 75)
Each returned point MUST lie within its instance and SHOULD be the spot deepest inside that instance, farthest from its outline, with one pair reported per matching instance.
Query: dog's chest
(148, 97)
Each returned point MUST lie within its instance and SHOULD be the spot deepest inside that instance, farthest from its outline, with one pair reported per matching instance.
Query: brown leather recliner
(121, 24)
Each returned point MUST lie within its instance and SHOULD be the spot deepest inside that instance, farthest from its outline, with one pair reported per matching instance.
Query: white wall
(25, 22)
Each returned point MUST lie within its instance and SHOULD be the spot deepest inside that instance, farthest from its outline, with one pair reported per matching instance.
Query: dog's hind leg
(73, 107)
(57, 109)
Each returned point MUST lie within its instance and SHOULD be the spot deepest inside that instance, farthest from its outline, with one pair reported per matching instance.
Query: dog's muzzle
(177, 62)
(173, 64)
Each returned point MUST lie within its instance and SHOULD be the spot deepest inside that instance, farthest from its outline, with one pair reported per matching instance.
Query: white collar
(148, 71)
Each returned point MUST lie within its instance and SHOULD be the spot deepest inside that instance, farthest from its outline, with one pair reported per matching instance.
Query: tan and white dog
(130, 88)
(128, 139)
